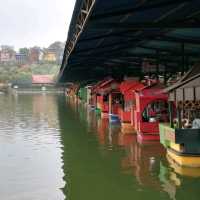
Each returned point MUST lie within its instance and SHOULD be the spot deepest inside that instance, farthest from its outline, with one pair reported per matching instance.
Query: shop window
(156, 111)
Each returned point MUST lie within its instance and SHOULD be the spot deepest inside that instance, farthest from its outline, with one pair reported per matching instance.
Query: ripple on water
(30, 149)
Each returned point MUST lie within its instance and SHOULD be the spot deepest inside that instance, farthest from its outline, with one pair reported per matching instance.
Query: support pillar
(110, 103)
(171, 114)
(179, 118)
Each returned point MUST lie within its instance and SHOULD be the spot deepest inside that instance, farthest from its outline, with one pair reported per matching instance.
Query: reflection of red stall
(126, 139)
(126, 88)
(143, 161)
(151, 108)
(102, 130)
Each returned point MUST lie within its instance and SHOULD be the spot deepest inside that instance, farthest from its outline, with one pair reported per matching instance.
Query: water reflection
(100, 162)
(30, 148)
(54, 149)
(143, 161)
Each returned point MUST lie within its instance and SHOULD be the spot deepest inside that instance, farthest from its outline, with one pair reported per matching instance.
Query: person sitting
(151, 114)
(186, 123)
(196, 123)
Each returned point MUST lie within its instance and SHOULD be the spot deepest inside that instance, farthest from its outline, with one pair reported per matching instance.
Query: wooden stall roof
(107, 86)
(113, 37)
(129, 85)
(98, 84)
(152, 91)
(193, 74)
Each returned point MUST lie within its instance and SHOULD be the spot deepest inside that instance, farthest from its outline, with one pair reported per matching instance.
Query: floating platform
(182, 170)
(183, 145)
(184, 160)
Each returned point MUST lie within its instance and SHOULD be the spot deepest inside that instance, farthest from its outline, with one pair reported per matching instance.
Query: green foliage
(24, 51)
(44, 69)
(23, 75)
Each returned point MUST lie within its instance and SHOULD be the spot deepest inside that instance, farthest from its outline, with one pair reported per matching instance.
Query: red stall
(114, 105)
(104, 92)
(151, 109)
(128, 102)
(97, 101)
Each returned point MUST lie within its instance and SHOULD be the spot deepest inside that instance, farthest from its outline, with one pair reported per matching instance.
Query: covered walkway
(118, 37)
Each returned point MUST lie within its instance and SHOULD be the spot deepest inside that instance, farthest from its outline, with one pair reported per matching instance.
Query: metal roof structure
(109, 37)
(192, 74)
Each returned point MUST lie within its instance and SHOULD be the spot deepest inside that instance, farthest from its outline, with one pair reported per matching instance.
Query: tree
(24, 51)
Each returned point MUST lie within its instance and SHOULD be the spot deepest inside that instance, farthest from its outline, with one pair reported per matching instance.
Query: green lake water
(53, 148)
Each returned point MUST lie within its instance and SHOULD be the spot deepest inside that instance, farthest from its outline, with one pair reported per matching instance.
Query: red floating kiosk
(128, 104)
(150, 109)
(114, 105)
(105, 94)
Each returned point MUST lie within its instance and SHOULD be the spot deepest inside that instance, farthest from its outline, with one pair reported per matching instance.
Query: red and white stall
(150, 109)
(128, 104)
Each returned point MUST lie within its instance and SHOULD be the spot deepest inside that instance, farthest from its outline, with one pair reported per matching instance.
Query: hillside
(13, 74)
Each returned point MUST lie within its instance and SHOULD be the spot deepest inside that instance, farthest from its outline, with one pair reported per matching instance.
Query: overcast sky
(26, 23)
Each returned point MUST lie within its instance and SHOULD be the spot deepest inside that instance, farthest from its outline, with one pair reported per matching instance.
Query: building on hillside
(21, 58)
(35, 55)
(49, 55)
(55, 51)
(41, 56)
(7, 55)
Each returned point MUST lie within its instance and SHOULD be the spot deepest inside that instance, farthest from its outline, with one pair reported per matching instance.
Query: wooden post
(179, 118)
(110, 103)
(95, 101)
(171, 114)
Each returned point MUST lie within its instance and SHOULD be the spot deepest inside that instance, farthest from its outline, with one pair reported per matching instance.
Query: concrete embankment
(38, 90)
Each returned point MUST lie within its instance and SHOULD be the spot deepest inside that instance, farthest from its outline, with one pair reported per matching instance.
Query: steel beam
(138, 9)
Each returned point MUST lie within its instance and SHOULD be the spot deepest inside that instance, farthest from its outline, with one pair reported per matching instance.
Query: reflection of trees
(23, 75)
(30, 150)
(45, 107)
(20, 109)
(102, 130)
